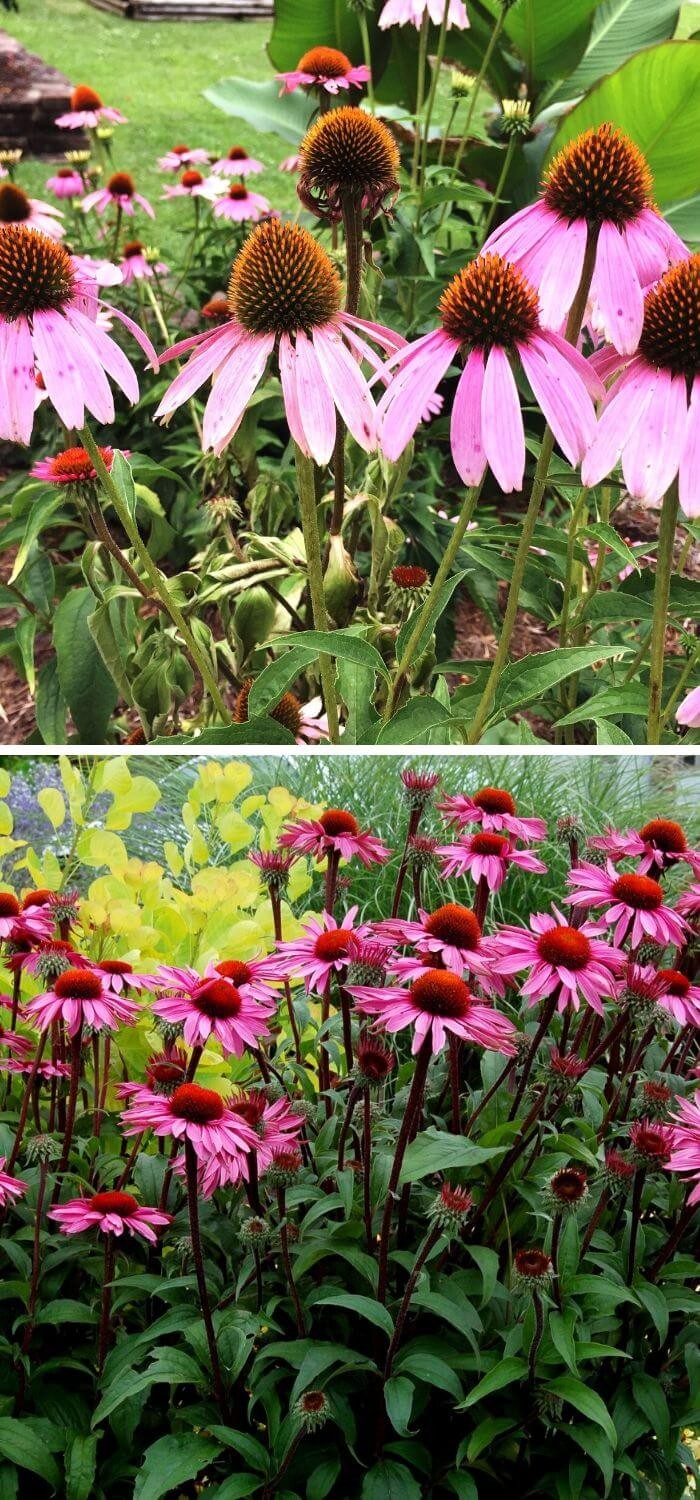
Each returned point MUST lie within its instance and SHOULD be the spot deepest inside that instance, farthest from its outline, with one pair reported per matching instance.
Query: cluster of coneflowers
(317, 1029)
(588, 293)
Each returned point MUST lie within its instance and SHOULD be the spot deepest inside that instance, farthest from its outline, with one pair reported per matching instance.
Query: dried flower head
(348, 154)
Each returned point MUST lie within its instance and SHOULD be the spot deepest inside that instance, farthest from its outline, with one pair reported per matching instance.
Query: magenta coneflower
(193, 185)
(192, 1114)
(284, 297)
(487, 856)
(599, 184)
(275, 868)
(334, 832)
(438, 1004)
(73, 466)
(489, 314)
(26, 1065)
(452, 933)
(79, 998)
(658, 845)
(239, 204)
(634, 903)
(11, 1188)
(325, 949)
(136, 265)
(17, 922)
(325, 69)
(651, 1142)
(494, 808)
(119, 192)
(215, 1010)
(17, 208)
(685, 1144)
(66, 183)
(50, 957)
(48, 318)
(237, 163)
(117, 975)
(688, 903)
(111, 1213)
(15, 1044)
(253, 978)
(182, 156)
(412, 13)
(276, 1125)
(651, 417)
(572, 961)
(87, 111)
(676, 993)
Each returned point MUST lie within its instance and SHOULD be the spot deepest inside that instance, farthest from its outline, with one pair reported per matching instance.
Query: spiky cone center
(374, 1062)
(409, 580)
(533, 1268)
(75, 466)
(9, 904)
(219, 999)
(438, 992)
(313, 1409)
(494, 799)
(673, 982)
(421, 853)
(133, 248)
(113, 1203)
(287, 712)
(332, 945)
(350, 150)
(236, 972)
(569, 1187)
(638, 891)
(78, 984)
(121, 185)
(250, 1105)
(196, 1105)
(564, 947)
(489, 302)
(650, 1144)
(237, 153)
(284, 1167)
(324, 62)
(600, 176)
(282, 281)
(85, 98)
(15, 207)
(254, 1232)
(166, 1070)
(36, 274)
(490, 844)
(180, 150)
(454, 924)
(655, 1094)
(617, 1170)
(36, 898)
(335, 821)
(450, 1208)
(671, 331)
(216, 308)
(666, 835)
(191, 178)
(116, 966)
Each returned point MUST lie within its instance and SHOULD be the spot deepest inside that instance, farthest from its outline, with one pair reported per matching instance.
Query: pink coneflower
(284, 296)
(324, 68)
(67, 182)
(11, 1188)
(119, 192)
(215, 1010)
(31, 213)
(135, 264)
(325, 949)
(635, 903)
(79, 998)
(17, 1045)
(241, 205)
(651, 1143)
(17, 922)
(658, 845)
(573, 961)
(489, 314)
(237, 163)
(437, 1005)
(676, 993)
(50, 957)
(117, 975)
(43, 1073)
(599, 183)
(111, 1213)
(98, 270)
(451, 933)
(306, 721)
(252, 977)
(193, 185)
(73, 466)
(87, 111)
(336, 831)
(688, 712)
(688, 903)
(48, 316)
(685, 1143)
(275, 868)
(487, 856)
(651, 416)
(276, 1129)
(494, 808)
(412, 13)
(192, 1114)
(182, 156)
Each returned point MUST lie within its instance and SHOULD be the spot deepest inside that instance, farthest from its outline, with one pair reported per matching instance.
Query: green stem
(423, 614)
(498, 191)
(420, 95)
(309, 523)
(573, 328)
(367, 55)
(352, 227)
(662, 593)
(447, 131)
(478, 81)
(153, 573)
(423, 154)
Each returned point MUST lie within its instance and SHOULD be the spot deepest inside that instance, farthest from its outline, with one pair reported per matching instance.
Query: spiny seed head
(199, 1106)
(121, 185)
(651, 1143)
(216, 310)
(617, 1171)
(234, 970)
(275, 866)
(237, 153)
(282, 280)
(121, 1204)
(348, 152)
(313, 1410)
(332, 945)
(374, 1061)
(410, 579)
(14, 204)
(165, 1070)
(564, 947)
(335, 821)
(515, 120)
(566, 1190)
(450, 1208)
(367, 961)
(255, 1233)
(422, 852)
(455, 925)
(639, 892)
(36, 273)
(324, 62)
(489, 302)
(461, 85)
(219, 999)
(532, 1269)
(85, 98)
(494, 799)
(75, 466)
(40, 897)
(600, 176)
(494, 845)
(285, 1167)
(662, 832)
(439, 992)
(78, 984)
(671, 331)
(191, 178)
(9, 904)
(42, 1148)
(286, 712)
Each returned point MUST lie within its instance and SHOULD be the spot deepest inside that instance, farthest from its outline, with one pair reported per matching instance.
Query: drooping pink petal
(559, 283)
(315, 400)
(137, 332)
(108, 352)
(17, 385)
(562, 397)
(348, 387)
(402, 405)
(287, 362)
(651, 456)
(232, 390)
(617, 290)
(626, 407)
(689, 473)
(502, 422)
(589, 371)
(465, 426)
(58, 362)
(199, 367)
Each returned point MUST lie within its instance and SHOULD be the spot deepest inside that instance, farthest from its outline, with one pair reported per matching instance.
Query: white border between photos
(298, 752)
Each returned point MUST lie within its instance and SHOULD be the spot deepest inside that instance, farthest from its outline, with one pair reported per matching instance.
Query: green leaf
(81, 1464)
(365, 1307)
(21, 1443)
(563, 1339)
(85, 683)
(357, 685)
(320, 1483)
(596, 1445)
(342, 644)
(608, 536)
(551, 35)
(528, 680)
(253, 732)
(416, 721)
(398, 1396)
(261, 106)
(483, 1435)
(504, 1373)
(276, 677)
(620, 28)
(173, 1461)
(650, 1397)
(390, 1481)
(106, 628)
(124, 482)
(50, 707)
(437, 1151)
(41, 509)
(430, 1369)
(438, 606)
(655, 99)
(586, 1401)
(611, 703)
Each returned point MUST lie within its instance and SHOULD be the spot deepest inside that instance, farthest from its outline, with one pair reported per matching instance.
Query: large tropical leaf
(550, 35)
(620, 29)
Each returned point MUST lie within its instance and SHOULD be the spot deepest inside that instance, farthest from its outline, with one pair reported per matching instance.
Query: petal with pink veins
(315, 401)
(502, 422)
(689, 473)
(347, 386)
(617, 291)
(465, 426)
(651, 456)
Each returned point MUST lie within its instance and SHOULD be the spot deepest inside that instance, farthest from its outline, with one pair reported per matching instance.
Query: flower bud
(342, 586)
(253, 618)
